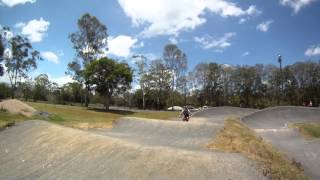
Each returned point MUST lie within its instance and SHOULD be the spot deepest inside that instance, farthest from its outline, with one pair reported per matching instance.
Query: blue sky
(223, 31)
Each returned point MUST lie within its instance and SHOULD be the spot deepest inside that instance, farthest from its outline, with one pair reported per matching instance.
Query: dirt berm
(273, 124)
(277, 117)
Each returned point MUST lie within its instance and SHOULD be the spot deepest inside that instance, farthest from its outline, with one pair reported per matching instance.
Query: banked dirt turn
(133, 149)
(273, 124)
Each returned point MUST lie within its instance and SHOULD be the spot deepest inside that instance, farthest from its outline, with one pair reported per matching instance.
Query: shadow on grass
(119, 112)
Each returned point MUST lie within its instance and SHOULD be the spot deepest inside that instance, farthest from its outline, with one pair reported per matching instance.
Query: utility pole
(280, 79)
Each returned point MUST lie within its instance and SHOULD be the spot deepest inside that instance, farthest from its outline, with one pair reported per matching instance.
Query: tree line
(163, 82)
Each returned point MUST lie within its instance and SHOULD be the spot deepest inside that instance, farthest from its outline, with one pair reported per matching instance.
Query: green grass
(236, 137)
(309, 130)
(7, 119)
(165, 115)
(81, 117)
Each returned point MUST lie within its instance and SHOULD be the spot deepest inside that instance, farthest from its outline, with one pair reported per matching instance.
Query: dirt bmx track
(133, 149)
(152, 149)
(272, 124)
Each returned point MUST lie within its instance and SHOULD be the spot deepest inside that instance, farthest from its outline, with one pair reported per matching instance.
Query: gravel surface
(272, 124)
(133, 149)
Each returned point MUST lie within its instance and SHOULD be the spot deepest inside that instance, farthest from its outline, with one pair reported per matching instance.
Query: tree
(1, 55)
(142, 66)
(290, 86)
(5, 90)
(90, 42)
(307, 75)
(26, 88)
(158, 79)
(108, 77)
(209, 79)
(213, 83)
(244, 78)
(72, 92)
(3, 33)
(176, 62)
(41, 87)
(23, 59)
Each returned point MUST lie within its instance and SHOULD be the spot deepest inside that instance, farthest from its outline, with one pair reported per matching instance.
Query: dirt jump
(273, 124)
(132, 149)
(17, 107)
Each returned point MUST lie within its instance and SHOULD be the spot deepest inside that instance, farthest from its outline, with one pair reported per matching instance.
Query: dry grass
(308, 130)
(9, 119)
(163, 115)
(74, 116)
(236, 137)
(84, 118)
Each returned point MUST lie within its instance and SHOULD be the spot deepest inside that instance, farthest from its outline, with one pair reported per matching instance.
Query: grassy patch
(309, 130)
(8, 119)
(81, 117)
(236, 137)
(165, 115)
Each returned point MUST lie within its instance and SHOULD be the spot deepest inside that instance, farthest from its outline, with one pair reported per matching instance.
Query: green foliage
(23, 60)
(109, 77)
(245, 79)
(2, 47)
(157, 82)
(176, 61)
(257, 86)
(1, 56)
(56, 118)
(89, 42)
(5, 90)
(41, 87)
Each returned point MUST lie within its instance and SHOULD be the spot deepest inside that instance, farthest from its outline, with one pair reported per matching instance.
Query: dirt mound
(16, 106)
(277, 117)
(41, 150)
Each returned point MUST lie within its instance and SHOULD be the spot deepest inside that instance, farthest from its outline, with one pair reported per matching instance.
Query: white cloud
(121, 45)
(173, 40)
(12, 3)
(296, 5)
(35, 29)
(242, 20)
(218, 44)
(313, 51)
(245, 53)
(167, 17)
(138, 45)
(5, 77)
(61, 80)
(264, 26)
(50, 56)
(19, 25)
(252, 10)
